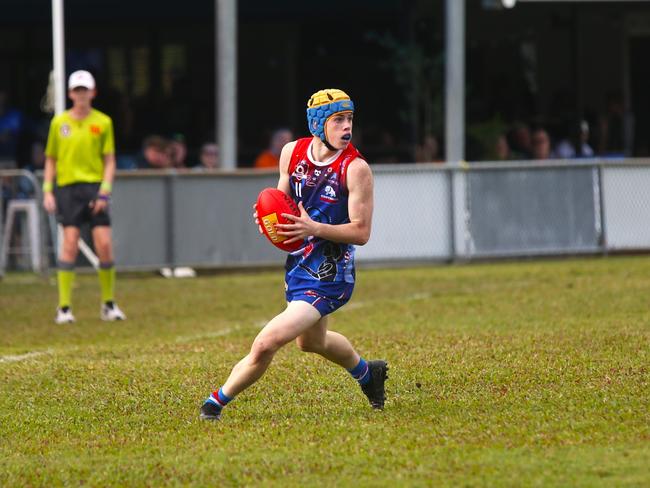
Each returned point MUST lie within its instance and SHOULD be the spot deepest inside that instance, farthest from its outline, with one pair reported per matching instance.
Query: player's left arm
(109, 173)
(107, 183)
(360, 207)
(108, 155)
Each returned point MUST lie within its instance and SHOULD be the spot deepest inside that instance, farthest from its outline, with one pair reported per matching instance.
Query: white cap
(81, 78)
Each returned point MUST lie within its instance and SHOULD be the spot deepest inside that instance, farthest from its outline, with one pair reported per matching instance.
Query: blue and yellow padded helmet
(322, 105)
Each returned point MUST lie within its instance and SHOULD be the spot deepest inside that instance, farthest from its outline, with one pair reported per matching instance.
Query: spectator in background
(178, 151)
(501, 149)
(612, 127)
(387, 149)
(428, 151)
(519, 140)
(156, 153)
(36, 162)
(11, 123)
(541, 144)
(270, 157)
(576, 145)
(209, 156)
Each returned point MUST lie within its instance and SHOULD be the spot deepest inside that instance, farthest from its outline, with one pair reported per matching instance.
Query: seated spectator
(541, 144)
(386, 149)
(576, 145)
(519, 140)
(501, 149)
(156, 153)
(208, 156)
(614, 124)
(270, 157)
(178, 151)
(25, 188)
(428, 151)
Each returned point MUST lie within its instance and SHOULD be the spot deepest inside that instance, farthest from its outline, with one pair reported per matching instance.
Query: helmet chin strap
(324, 139)
(328, 145)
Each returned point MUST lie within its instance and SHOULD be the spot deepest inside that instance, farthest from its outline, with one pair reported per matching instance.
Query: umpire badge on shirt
(65, 130)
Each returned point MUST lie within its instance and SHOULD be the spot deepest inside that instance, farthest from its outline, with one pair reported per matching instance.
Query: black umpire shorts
(73, 205)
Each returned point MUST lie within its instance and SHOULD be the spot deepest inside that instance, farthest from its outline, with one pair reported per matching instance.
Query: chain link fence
(626, 206)
(423, 212)
(515, 210)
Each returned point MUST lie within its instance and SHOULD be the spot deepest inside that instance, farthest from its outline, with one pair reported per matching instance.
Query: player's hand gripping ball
(271, 204)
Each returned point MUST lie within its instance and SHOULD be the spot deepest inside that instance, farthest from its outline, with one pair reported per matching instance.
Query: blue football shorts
(326, 297)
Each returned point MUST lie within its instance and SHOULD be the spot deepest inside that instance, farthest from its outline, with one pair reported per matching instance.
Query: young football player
(333, 187)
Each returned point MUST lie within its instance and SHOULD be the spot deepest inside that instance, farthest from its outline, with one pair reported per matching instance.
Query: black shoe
(374, 389)
(210, 411)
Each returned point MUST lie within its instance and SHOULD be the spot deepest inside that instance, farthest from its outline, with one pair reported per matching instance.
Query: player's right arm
(49, 203)
(283, 182)
(285, 159)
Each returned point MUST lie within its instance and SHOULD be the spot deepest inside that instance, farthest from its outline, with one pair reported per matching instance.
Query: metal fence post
(452, 217)
(170, 190)
(601, 204)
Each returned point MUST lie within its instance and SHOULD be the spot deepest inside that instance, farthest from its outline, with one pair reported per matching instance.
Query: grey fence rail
(424, 212)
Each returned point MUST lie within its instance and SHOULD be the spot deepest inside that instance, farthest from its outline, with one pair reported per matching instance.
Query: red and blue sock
(219, 398)
(360, 372)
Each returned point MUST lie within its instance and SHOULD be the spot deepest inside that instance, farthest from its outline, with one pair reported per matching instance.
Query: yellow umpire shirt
(79, 146)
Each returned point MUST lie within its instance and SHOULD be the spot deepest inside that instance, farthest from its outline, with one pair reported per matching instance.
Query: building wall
(533, 62)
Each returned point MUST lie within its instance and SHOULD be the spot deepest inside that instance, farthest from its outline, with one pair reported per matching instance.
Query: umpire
(80, 152)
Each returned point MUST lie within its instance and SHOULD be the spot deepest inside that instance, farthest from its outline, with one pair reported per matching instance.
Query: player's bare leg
(102, 240)
(336, 347)
(70, 247)
(302, 322)
(282, 329)
(331, 345)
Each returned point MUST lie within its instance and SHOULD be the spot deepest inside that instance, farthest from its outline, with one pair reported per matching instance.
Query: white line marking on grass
(217, 333)
(12, 358)
(260, 324)
(207, 335)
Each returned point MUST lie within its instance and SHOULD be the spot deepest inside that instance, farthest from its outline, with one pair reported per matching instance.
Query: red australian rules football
(271, 204)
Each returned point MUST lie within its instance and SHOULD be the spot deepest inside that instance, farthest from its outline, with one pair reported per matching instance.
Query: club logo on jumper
(65, 130)
(299, 171)
(95, 129)
(297, 177)
(329, 195)
(314, 178)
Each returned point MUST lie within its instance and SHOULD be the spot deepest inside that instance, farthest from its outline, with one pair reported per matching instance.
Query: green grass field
(507, 374)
